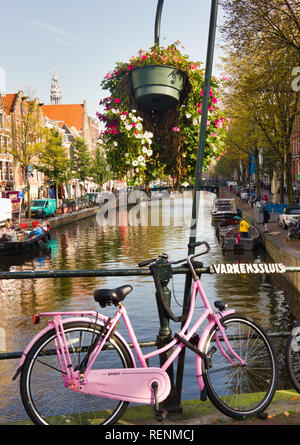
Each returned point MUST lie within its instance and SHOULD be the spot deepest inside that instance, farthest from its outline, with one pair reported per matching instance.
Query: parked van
(94, 197)
(5, 210)
(42, 208)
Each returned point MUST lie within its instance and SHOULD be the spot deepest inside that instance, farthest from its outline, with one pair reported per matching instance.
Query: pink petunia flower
(175, 129)
(117, 101)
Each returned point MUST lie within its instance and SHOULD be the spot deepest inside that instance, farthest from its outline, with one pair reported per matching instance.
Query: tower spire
(55, 91)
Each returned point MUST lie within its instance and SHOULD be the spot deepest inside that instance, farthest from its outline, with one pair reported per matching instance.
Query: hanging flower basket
(157, 87)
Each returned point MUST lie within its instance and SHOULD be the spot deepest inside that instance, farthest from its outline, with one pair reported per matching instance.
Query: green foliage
(53, 159)
(81, 159)
(100, 171)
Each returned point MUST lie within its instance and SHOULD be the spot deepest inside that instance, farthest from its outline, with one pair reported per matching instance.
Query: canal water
(122, 240)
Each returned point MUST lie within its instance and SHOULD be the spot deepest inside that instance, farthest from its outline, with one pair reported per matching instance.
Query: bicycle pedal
(161, 414)
(203, 395)
(262, 416)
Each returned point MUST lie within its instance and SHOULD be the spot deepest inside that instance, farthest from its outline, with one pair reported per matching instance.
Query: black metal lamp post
(199, 169)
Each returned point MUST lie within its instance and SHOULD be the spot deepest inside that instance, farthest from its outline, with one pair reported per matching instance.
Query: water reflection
(86, 245)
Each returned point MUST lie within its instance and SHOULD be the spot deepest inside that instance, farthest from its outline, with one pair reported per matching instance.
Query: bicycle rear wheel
(240, 391)
(292, 356)
(45, 398)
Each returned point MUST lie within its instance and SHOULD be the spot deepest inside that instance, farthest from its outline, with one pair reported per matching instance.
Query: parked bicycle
(293, 230)
(292, 356)
(81, 370)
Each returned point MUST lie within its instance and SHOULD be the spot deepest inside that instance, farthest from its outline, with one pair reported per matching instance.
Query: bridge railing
(164, 334)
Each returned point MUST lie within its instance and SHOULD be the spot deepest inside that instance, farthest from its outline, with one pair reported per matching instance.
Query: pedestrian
(266, 219)
(244, 228)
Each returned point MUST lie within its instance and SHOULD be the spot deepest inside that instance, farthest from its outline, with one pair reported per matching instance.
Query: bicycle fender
(200, 364)
(66, 320)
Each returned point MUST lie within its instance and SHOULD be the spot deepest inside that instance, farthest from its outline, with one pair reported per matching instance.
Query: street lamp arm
(157, 21)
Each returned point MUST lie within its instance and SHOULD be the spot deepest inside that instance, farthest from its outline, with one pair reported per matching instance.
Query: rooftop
(71, 115)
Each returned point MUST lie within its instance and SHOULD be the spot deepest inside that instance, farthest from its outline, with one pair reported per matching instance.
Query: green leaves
(53, 159)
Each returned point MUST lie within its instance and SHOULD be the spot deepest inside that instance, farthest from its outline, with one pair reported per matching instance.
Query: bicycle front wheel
(236, 390)
(292, 356)
(45, 398)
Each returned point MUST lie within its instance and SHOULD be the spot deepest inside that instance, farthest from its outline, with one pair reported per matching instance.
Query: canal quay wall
(275, 242)
(77, 215)
(69, 218)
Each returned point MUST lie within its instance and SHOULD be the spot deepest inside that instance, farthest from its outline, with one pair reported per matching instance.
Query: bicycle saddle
(107, 297)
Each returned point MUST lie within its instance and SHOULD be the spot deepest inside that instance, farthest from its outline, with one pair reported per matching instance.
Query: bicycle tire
(45, 398)
(292, 356)
(241, 391)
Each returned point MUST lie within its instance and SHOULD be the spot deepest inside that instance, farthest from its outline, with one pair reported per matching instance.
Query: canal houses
(72, 121)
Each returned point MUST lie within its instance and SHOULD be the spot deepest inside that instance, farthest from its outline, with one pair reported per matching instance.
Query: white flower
(139, 127)
(141, 159)
(128, 127)
(127, 162)
(137, 170)
(149, 152)
(126, 155)
(134, 119)
(123, 117)
(133, 111)
(188, 115)
(115, 144)
(134, 163)
(144, 149)
(195, 121)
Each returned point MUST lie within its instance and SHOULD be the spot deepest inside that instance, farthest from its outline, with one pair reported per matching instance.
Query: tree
(260, 87)
(261, 24)
(80, 159)
(28, 140)
(100, 171)
(53, 159)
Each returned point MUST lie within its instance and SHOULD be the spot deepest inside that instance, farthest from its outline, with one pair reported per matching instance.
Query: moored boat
(233, 240)
(23, 242)
(223, 208)
(227, 224)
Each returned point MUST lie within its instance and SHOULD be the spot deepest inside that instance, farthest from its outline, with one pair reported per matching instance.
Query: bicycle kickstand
(160, 414)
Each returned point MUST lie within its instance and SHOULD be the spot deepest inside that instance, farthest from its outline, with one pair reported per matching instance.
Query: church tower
(55, 92)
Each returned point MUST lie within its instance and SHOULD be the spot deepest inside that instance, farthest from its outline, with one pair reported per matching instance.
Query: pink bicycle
(80, 370)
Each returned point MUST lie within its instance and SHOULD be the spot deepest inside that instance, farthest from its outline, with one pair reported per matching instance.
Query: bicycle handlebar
(190, 245)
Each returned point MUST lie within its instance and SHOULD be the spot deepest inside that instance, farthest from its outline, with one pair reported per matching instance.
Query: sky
(83, 40)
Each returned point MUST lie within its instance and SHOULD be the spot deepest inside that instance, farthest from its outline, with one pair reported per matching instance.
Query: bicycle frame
(62, 351)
